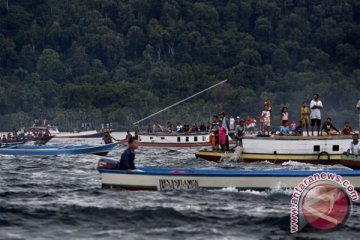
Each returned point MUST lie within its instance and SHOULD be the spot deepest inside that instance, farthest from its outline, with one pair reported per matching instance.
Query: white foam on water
(255, 192)
(226, 189)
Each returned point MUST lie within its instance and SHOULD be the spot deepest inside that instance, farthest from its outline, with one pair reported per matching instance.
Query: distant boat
(14, 142)
(81, 134)
(101, 150)
(280, 149)
(175, 139)
(164, 179)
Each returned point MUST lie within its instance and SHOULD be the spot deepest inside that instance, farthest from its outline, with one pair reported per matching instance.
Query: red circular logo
(326, 206)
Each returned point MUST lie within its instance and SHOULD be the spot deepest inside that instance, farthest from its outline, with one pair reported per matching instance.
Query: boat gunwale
(186, 172)
(300, 138)
(174, 134)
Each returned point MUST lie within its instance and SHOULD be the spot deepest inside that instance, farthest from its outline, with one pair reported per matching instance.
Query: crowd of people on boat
(21, 135)
(310, 121)
(310, 115)
(178, 128)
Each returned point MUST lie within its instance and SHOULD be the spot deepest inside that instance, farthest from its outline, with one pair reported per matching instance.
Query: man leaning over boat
(354, 147)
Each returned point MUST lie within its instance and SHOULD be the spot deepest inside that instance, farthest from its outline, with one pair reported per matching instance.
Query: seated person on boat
(347, 130)
(157, 127)
(299, 129)
(284, 129)
(107, 138)
(354, 147)
(128, 156)
(328, 128)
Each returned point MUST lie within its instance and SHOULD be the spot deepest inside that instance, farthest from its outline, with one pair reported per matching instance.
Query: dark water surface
(60, 197)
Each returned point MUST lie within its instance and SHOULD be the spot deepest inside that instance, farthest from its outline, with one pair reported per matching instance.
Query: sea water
(60, 197)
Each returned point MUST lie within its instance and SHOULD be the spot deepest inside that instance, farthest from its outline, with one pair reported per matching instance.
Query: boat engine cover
(108, 163)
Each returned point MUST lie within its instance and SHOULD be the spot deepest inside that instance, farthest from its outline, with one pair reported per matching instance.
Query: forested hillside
(118, 61)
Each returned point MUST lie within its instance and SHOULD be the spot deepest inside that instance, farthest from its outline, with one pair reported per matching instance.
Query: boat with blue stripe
(101, 150)
(163, 179)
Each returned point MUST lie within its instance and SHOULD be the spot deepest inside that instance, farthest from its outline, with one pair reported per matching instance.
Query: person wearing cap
(328, 128)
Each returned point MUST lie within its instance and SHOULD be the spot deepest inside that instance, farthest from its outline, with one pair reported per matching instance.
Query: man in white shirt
(354, 145)
(315, 115)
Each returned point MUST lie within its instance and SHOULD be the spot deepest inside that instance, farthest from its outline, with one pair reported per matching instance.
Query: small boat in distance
(165, 179)
(81, 134)
(101, 150)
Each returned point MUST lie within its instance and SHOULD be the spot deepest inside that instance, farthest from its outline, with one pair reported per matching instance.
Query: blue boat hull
(101, 150)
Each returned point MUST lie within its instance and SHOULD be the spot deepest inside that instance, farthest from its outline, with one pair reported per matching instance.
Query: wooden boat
(82, 134)
(181, 140)
(40, 140)
(149, 178)
(101, 150)
(14, 142)
(315, 150)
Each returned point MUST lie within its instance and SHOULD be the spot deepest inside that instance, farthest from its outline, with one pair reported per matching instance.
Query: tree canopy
(119, 61)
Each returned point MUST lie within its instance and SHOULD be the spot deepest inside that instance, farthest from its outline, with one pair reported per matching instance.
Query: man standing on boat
(225, 124)
(128, 157)
(305, 111)
(136, 130)
(239, 131)
(315, 115)
(214, 133)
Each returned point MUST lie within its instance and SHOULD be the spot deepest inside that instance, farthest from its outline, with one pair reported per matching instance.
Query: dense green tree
(50, 66)
(119, 61)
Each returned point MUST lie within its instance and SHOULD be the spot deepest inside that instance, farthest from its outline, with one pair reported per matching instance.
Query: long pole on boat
(177, 103)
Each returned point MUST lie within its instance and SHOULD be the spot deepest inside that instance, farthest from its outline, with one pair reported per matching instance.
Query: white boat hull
(192, 179)
(180, 140)
(295, 145)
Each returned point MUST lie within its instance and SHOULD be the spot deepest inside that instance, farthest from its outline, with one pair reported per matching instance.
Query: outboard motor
(108, 163)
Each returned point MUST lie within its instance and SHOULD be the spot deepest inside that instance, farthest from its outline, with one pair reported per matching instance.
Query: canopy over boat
(149, 178)
(57, 150)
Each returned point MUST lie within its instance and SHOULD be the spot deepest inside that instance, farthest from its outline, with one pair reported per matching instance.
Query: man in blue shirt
(128, 156)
